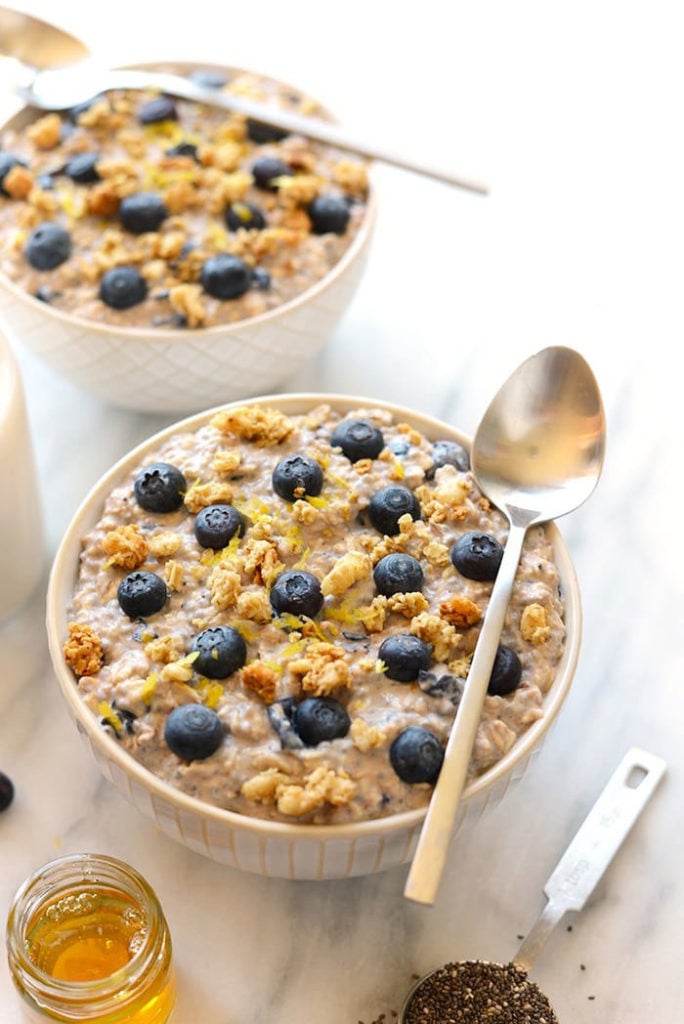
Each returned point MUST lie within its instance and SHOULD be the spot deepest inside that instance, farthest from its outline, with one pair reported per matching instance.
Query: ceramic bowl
(179, 371)
(273, 848)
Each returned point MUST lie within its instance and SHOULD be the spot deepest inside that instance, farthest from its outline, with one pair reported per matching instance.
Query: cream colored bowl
(251, 844)
(166, 370)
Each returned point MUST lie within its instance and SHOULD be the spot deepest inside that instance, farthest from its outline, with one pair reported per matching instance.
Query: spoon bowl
(537, 455)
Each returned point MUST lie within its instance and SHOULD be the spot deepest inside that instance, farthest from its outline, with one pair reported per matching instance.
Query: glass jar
(87, 941)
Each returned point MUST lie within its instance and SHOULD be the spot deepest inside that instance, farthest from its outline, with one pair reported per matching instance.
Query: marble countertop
(570, 114)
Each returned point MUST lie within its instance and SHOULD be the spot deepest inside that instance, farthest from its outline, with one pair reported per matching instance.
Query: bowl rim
(63, 575)
(170, 335)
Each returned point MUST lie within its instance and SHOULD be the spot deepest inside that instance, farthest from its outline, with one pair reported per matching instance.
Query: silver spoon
(573, 879)
(53, 87)
(537, 454)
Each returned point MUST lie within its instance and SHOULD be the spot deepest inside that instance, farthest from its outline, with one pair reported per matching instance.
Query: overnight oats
(142, 210)
(275, 614)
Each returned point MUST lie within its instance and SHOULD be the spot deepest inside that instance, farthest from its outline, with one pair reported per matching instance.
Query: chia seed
(475, 991)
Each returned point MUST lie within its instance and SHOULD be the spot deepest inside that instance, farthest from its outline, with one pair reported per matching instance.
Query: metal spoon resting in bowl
(59, 84)
(537, 454)
(480, 989)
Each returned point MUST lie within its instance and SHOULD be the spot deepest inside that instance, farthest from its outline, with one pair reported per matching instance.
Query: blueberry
(160, 487)
(183, 149)
(329, 214)
(441, 686)
(161, 108)
(225, 276)
(506, 673)
(266, 169)
(399, 446)
(389, 504)
(49, 245)
(126, 718)
(298, 593)
(193, 732)
(244, 215)
(83, 168)
(80, 108)
(209, 78)
(123, 287)
(261, 133)
(46, 182)
(46, 294)
(416, 755)
(6, 791)
(141, 594)
(7, 162)
(216, 525)
(317, 719)
(141, 212)
(261, 279)
(297, 475)
(222, 651)
(477, 556)
(358, 439)
(448, 453)
(405, 655)
(280, 715)
(398, 574)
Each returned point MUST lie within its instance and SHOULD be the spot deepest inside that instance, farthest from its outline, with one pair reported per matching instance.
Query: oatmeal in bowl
(166, 255)
(262, 620)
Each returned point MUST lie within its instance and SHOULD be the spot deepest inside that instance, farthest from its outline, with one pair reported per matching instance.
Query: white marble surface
(572, 113)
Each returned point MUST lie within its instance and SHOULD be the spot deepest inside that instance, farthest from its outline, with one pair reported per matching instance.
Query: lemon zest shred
(110, 716)
(148, 687)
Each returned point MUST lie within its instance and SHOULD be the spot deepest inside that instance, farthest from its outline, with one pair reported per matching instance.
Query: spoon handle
(433, 842)
(595, 844)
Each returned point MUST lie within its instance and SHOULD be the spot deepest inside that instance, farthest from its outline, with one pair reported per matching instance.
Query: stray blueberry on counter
(244, 215)
(416, 755)
(358, 439)
(141, 594)
(317, 719)
(193, 732)
(6, 791)
(7, 162)
(160, 487)
(225, 276)
(398, 573)
(122, 287)
(142, 212)
(222, 651)
(216, 525)
(448, 453)
(161, 108)
(389, 504)
(297, 593)
(82, 168)
(329, 214)
(296, 476)
(404, 656)
(261, 133)
(267, 169)
(48, 246)
(477, 556)
(506, 672)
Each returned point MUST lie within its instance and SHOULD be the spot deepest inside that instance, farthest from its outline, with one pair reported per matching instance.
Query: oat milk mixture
(269, 614)
(140, 210)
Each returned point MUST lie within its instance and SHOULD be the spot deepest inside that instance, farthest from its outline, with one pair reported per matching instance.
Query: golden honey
(87, 941)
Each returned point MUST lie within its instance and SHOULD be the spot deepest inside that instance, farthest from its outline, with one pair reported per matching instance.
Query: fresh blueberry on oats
(82, 168)
(477, 556)
(404, 656)
(267, 169)
(329, 214)
(297, 476)
(398, 573)
(297, 593)
(141, 594)
(416, 755)
(399, 446)
(358, 439)
(193, 732)
(48, 246)
(161, 108)
(160, 487)
(262, 133)
(389, 504)
(123, 287)
(6, 791)
(222, 651)
(46, 182)
(244, 215)
(280, 715)
(261, 279)
(225, 276)
(216, 525)
(317, 719)
(506, 673)
(448, 453)
(7, 162)
(142, 212)
(183, 149)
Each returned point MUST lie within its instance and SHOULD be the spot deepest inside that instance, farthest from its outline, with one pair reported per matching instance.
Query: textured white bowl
(166, 370)
(252, 844)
